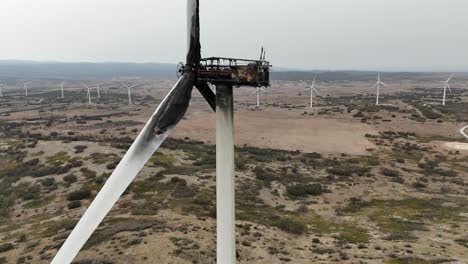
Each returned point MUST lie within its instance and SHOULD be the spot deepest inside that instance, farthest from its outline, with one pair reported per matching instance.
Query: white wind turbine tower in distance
(98, 87)
(258, 92)
(378, 84)
(1, 89)
(88, 92)
(312, 90)
(129, 91)
(61, 88)
(447, 85)
(25, 87)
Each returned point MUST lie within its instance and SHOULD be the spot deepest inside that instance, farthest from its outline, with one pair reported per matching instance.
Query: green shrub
(290, 225)
(74, 204)
(79, 195)
(70, 178)
(6, 247)
(47, 182)
(265, 174)
(28, 192)
(299, 190)
(80, 148)
(390, 172)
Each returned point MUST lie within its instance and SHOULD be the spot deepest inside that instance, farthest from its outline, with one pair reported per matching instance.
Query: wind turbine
(312, 90)
(258, 91)
(129, 92)
(447, 85)
(1, 89)
(88, 92)
(163, 121)
(25, 87)
(61, 88)
(378, 84)
(98, 87)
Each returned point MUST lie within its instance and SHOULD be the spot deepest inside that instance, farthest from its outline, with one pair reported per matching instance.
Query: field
(344, 182)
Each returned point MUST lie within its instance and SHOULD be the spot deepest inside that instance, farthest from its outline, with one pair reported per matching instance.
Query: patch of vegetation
(347, 170)
(80, 148)
(462, 242)
(290, 225)
(398, 218)
(74, 204)
(79, 195)
(300, 190)
(102, 158)
(6, 247)
(414, 260)
(123, 225)
(70, 178)
(160, 159)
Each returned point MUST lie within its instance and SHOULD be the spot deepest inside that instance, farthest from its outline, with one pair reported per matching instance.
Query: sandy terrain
(279, 130)
(457, 145)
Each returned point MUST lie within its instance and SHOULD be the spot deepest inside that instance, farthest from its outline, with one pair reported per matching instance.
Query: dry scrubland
(347, 182)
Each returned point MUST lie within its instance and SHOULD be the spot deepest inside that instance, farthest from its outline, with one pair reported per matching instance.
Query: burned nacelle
(238, 72)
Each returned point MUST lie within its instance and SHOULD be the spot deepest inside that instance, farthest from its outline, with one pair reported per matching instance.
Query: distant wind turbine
(378, 84)
(258, 91)
(98, 87)
(129, 91)
(61, 88)
(25, 86)
(447, 85)
(1, 89)
(312, 90)
(88, 93)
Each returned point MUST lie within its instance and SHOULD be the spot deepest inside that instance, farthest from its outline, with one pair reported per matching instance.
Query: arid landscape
(344, 182)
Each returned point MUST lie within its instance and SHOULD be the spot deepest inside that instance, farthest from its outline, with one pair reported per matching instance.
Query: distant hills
(84, 70)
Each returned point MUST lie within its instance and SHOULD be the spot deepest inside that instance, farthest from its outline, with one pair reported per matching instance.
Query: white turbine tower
(312, 90)
(1, 89)
(88, 92)
(61, 88)
(258, 91)
(98, 87)
(129, 91)
(378, 84)
(447, 85)
(25, 87)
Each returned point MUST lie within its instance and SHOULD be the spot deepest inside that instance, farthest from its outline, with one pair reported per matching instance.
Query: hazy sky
(310, 34)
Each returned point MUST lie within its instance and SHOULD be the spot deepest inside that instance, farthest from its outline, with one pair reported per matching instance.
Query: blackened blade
(207, 93)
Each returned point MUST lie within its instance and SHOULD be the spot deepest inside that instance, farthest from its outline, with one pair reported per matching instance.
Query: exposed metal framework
(237, 72)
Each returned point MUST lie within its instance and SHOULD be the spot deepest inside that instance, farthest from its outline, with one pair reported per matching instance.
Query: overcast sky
(308, 34)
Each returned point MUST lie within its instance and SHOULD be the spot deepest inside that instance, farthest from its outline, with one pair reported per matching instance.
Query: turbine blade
(448, 86)
(162, 122)
(255, 92)
(193, 27)
(85, 86)
(373, 86)
(207, 93)
(317, 92)
(384, 84)
(451, 76)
